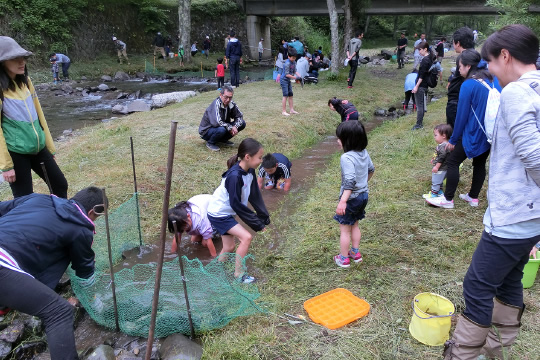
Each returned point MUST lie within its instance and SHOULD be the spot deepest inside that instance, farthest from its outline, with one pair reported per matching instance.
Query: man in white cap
(261, 49)
(206, 46)
(121, 48)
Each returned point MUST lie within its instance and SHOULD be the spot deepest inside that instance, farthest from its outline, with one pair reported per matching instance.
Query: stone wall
(92, 34)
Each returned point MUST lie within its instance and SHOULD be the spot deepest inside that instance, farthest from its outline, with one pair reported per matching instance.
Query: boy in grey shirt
(441, 133)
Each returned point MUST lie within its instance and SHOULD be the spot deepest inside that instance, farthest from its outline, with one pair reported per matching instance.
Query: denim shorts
(286, 88)
(222, 224)
(355, 210)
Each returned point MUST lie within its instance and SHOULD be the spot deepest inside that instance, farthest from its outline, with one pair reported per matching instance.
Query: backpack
(492, 109)
(433, 76)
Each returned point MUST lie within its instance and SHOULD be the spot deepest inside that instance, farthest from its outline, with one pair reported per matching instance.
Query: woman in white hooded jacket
(492, 287)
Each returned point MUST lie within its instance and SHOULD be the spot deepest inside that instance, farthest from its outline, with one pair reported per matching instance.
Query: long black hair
(7, 84)
(517, 39)
(248, 146)
(478, 68)
(425, 45)
(179, 214)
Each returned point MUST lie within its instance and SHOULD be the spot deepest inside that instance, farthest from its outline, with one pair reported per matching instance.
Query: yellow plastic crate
(336, 308)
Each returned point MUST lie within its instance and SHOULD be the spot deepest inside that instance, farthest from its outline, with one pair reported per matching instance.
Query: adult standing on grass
(421, 88)
(206, 46)
(401, 45)
(468, 139)
(492, 287)
(261, 49)
(463, 40)
(352, 54)
(121, 49)
(159, 45)
(221, 121)
(440, 50)
(25, 140)
(41, 236)
(65, 61)
(417, 56)
(233, 56)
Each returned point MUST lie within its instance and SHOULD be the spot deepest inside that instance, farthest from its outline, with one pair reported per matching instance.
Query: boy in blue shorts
(275, 172)
(289, 72)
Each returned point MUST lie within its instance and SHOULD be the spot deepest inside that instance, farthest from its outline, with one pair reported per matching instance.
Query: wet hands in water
(9, 176)
(340, 210)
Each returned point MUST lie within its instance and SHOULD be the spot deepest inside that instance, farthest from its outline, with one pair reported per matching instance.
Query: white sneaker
(441, 202)
(470, 200)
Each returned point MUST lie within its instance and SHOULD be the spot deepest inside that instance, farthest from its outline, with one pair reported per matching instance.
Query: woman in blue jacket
(468, 138)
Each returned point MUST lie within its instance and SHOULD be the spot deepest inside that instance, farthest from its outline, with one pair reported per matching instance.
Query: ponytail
(248, 146)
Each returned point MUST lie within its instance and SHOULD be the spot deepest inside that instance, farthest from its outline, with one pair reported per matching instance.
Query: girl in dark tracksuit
(344, 108)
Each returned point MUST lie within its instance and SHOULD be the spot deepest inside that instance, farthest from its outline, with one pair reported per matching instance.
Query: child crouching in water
(190, 217)
(238, 187)
(441, 133)
(356, 170)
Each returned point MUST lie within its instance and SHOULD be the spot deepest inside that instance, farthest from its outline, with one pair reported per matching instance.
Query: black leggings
(23, 293)
(24, 164)
(408, 96)
(456, 157)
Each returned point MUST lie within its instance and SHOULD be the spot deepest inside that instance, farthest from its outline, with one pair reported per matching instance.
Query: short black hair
(233, 33)
(89, 197)
(443, 39)
(352, 135)
(465, 37)
(52, 54)
(296, 38)
(219, 60)
(444, 129)
(519, 40)
(358, 33)
(269, 161)
(292, 52)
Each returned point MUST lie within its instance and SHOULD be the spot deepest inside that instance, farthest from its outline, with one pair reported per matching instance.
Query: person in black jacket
(463, 39)
(344, 108)
(40, 235)
(221, 121)
(421, 87)
(159, 45)
(233, 59)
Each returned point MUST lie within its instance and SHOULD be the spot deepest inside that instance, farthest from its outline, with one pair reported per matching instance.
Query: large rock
(179, 347)
(67, 88)
(138, 106)
(102, 352)
(106, 78)
(12, 333)
(102, 87)
(119, 109)
(122, 76)
(5, 349)
(161, 100)
(387, 54)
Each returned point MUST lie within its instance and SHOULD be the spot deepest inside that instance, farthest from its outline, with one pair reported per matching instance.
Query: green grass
(408, 247)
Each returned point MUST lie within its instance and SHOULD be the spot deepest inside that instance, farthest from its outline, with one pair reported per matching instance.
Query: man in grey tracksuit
(352, 54)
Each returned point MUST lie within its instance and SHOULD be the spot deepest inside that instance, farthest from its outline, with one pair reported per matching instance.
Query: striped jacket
(24, 129)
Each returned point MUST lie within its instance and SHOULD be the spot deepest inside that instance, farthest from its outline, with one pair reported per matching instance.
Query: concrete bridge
(258, 11)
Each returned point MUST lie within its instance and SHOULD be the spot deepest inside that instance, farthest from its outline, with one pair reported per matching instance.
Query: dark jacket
(216, 115)
(44, 233)
(423, 71)
(345, 110)
(159, 41)
(234, 49)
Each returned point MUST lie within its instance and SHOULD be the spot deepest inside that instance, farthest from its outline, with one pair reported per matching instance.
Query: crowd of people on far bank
(493, 293)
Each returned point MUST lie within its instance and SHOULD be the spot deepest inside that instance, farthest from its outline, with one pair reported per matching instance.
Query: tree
(334, 34)
(348, 21)
(514, 12)
(184, 27)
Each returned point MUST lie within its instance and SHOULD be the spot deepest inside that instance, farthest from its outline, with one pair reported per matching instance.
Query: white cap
(208, 37)
(114, 38)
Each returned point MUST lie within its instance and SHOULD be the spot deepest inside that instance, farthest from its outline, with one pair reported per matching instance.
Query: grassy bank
(408, 247)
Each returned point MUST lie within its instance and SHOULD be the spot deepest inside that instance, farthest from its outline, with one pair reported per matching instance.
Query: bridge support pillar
(258, 27)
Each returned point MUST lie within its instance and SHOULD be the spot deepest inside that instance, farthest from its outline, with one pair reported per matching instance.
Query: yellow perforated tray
(336, 308)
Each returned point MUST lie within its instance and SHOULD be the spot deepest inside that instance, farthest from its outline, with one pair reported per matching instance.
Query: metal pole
(178, 239)
(164, 216)
(113, 287)
(136, 192)
(46, 176)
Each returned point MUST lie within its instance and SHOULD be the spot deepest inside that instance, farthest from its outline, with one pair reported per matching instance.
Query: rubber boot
(467, 340)
(505, 324)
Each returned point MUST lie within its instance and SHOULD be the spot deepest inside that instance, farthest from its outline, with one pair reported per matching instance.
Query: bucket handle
(429, 317)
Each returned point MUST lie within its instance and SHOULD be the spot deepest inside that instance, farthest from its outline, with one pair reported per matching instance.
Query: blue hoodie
(234, 49)
(43, 234)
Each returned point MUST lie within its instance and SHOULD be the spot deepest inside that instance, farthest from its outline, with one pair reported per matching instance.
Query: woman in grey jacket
(492, 287)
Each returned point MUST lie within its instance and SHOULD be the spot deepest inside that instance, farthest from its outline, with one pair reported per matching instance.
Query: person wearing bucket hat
(492, 287)
(25, 139)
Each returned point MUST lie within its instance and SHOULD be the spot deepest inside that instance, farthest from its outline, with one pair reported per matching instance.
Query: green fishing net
(215, 296)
